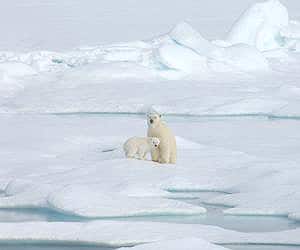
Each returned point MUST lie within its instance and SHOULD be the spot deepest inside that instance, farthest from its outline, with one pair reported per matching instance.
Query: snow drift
(181, 52)
(108, 78)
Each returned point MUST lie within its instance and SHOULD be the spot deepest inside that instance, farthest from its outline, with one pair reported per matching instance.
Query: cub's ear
(159, 115)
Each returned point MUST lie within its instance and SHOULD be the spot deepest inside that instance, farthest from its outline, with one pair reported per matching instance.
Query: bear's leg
(144, 156)
(130, 153)
(173, 157)
(164, 154)
(173, 151)
(141, 154)
(155, 154)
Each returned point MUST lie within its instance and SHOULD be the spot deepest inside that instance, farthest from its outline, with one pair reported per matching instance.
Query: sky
(62, 25)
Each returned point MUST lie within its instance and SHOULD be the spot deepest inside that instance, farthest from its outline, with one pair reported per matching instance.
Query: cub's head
(153, 119)
(154, 141)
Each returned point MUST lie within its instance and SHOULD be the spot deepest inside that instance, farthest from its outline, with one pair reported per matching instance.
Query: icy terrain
(75, 166)
(252, 71)
(76, 85)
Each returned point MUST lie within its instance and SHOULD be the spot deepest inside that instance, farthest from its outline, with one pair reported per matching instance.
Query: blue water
(34, 214)
(214, 216)
(237, 223)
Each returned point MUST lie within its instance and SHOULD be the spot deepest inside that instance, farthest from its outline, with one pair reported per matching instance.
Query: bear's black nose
(155, 145)
(151, 121)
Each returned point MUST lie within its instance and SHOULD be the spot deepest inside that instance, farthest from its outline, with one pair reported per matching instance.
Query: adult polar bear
(166, 151)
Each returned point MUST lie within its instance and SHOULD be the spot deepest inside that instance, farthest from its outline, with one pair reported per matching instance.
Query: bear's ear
(159, 115)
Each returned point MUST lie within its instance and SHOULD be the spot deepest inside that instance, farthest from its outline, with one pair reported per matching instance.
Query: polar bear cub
(138, 147)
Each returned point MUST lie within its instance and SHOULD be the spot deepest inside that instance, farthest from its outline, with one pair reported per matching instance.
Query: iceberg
(260, 26)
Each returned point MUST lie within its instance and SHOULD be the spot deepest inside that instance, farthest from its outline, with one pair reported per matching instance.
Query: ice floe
(188, 243)
(74, 164)
(91, 203)
(84, 174)
(88, 176)
(118, 234)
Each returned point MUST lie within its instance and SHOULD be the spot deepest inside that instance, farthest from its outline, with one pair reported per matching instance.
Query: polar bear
(166, 152)
(138, 147)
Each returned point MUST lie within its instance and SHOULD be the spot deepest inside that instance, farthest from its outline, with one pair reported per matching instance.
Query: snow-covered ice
(77, 167)
(89, 202)
(189, 243)
(210, 79)
(118, 234)
(69, 102)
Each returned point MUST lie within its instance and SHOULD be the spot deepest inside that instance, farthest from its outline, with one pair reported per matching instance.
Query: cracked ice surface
(74, 164)
(88, 176)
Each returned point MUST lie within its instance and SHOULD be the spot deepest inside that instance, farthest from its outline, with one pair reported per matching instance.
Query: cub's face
(153, 120)
(154, 142)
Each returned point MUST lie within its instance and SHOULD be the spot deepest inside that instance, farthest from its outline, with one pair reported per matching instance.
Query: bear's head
(154, 141)
(153, 119)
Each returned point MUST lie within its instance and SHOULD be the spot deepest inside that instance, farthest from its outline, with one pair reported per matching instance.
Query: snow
(297, 46)
(266, 26)
(179, 58)
(111, 71)
(87, 175)
(185, 35)
(189, 243)
(260, 25)
(241, 57)
(16, 69)
(211, 77)
(183, 49)
(11, 74)
(89, 202)
(118, 234)
(75, 87)
(292, 30)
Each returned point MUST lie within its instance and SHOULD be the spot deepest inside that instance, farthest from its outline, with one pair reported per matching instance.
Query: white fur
(166, 152)
(138, 147)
